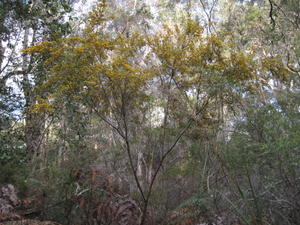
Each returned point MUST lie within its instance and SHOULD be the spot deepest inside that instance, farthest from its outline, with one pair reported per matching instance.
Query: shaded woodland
(150, 112)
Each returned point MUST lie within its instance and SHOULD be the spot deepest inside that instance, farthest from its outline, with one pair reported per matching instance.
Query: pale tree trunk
(2, 81)
(61, 148)
(33, 122)
(63, 142)
(139, 171)
(27, 94)
(1, 54)
(223, 119)
(150, 170)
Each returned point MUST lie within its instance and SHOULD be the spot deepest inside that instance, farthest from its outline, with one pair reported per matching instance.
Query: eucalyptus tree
(23, 24)
(255, 125)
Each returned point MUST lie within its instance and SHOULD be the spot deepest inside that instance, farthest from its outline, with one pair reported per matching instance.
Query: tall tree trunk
(1, 55)
(33, 122)
(2, 81)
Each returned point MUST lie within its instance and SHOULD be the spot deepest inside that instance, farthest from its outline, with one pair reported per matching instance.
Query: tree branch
(271, 15)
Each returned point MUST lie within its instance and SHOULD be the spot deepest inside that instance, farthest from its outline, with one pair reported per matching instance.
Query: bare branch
(271, 15)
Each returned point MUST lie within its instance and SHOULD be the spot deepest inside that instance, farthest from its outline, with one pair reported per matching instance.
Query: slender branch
(171, 148)
(108, 122)
(271, 15)
(287, 17)
(11, 54)
(128, 149)
(208, 14)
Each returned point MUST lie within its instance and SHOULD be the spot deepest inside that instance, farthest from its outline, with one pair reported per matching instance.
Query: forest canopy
(150, 112)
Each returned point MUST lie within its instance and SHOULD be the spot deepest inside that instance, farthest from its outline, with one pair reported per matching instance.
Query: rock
(8, 202)
(9, 193)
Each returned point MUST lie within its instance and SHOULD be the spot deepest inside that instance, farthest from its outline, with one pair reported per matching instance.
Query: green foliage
(12, 146)
(233, 95)
(193, 210)
(264, 152)
(55, 187)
